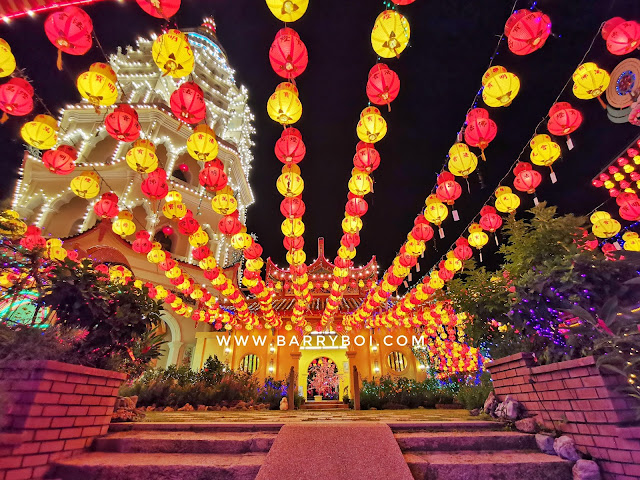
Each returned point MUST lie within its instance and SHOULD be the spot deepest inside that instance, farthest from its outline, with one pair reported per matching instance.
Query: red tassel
(179, 126)
(4, 118)
(482, 154)
(59, 61)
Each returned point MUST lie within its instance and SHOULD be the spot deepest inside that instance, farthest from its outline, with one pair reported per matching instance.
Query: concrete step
(159, 466)
(487, 465)
(325, 405)
(450, 441)
(185, 442)
(194, 427)
(470, 426)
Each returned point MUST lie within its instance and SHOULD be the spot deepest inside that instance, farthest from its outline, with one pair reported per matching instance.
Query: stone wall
(54, 411)
(578, 400)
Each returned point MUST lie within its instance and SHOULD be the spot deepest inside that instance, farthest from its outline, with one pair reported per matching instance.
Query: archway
(173, 337)
(323, 379)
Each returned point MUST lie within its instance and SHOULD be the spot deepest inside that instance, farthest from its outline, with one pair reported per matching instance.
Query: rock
(475, 412)
(284, 404)
(545, 443)
(186, 408)
(499, 411)
(134, 400)
(151, 408)
(510, 409)
(373, 408)
(527, 425)
(566, 448)
(586, 470)
(420, 407)
(490, 404)
(224, 409)
(201, 408)
(168, 409)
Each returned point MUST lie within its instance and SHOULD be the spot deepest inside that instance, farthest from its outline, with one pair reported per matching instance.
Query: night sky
(451, 45)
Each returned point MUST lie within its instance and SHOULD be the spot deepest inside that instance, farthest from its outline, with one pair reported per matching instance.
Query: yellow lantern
(500, 87)
(161, 292)
(174, 272)
(98, 85)
(360, 184)
(462, 162)
(415, 248)
(141, 157)
(296, 257)
(288, 10)
(452, 263)
(606, 228)
(156, 254)
(249, 283)
(172, 54)
(254, 264)
(173, 196)
(292, 227)
(124, 224)
(390, 34)
(631, 241)
(86, 185)
(435, 210)
(198, 238)
(290, 184)
(174, 210)
(202, 144)
(544, 151)
(284, 106)
(208, 263)
(477, 238)
(224, 203)
(344, 252)
(599, 215)
(435, 281)
(372, 127)
(7, 60)
(506, 201)
(351, 224)
(590, 81)
(41, 132)
(241, 240)
(11, 225)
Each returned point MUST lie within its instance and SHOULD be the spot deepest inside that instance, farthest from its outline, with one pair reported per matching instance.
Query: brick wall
(57, 408)
(576, 399)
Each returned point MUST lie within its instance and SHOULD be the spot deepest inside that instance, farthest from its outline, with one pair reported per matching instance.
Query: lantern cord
(106, 57)
(18, 72)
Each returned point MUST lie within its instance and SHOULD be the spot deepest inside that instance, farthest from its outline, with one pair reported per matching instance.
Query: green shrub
(400, 392)
(473, 396)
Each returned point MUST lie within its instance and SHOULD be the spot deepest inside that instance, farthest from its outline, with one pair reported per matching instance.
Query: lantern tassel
(455, 215)
(466, 179)
(59, 60)
(602, 104)
(482, 154)
(552, 175)
(535, 200)
(441, 232)
(569, 142)
(417, 267)
(495, 237)
(179, 126)
(480, 257)
(4, 118)
(389, 106)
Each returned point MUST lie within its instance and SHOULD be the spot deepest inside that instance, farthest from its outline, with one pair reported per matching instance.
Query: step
(195, 427)
(487, 465)
(185, 442)
(470, 426)
(159, 466)
(449, 441)
(325, 406)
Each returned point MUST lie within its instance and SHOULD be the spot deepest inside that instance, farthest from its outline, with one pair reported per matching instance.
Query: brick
(597, 417)
(560, 375)
(593, 381)
(35, 460)
(21, 474)
(47, 434)
(77, 411)
(611, 467)
(10, 462)
(84, 421)
(46, 398)
(85, 389)
(584, 429)
(91, 400)
(70, 399)
(626, 444)
(562, 405)
(108, 401)
(54, 457)
(575, 416)
(62, 422)
(587, 393)
(74, 378)
(55, 411)
(579, 372)
(112, 382)
(102, 420)
(551, 395)
(606, 442)
(53, 375)
(602, 404)
(67, 433)
(75, 444)
(40, 472)
(27, 448)
(104, 429)
(60, 387)
(106, 391)
(31, 385)
(91, 431)
(98, 410)
(556, 385)
(28, 410)
(54, 446)
(573, 383)
(586, 440)
(97, 381)
(568, 394)
(35, 422)
(631, 469)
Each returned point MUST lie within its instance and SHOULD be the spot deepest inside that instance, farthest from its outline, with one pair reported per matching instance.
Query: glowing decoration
(506, 200)
(527, 31)
(224, 203)
(187, 224)
(284, 106)
(489, 219)
(383, 85)
(500, 87)
(436, 212)
(124, 225)
(288, 10)
(187, 103)
(122, 124)
(174, 209)
(622, 36)
(86, 185)
(631, 241)
(160, 8)
(356, 207)
(629, 206)
(212, 176)
(477, 238)
(141, 157)
(155, 185)
(462, 250)
(367, 158)
(292, 227)
(41, 132)
(564, 120)
(288, 54)
(10, 224)
(60, 161)
(16, 98)
(290, 148)
(198, 238)
(352, 224)
(7, 60)
(167, 230)
(98, 85)
(448, 190)
(172, 54)
(462, 162)
(603, 225)
(142, 244)
(202, 144)
(527, 179)
(372, 127)
(480, 129)
(390, 34)
(290, 184)
(292, 207)
(107, 206)
(229, 225)
(70, 31)
(360, 184)
(590, 81)
(544, 152)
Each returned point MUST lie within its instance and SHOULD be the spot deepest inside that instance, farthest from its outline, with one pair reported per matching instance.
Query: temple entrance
(323, 379)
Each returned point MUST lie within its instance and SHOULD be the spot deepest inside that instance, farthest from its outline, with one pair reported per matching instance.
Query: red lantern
(16, 98)
(445, 274)
(527, 179)
(142, 244)
(403, 2)
(527, 31)
(622, 36)
(480, 129)
(407, 260)
(183, 167)
(356, 207)
(293, 243)
(290, 148)
(292, 207)
(167, 230)
(448, 191)
(490, 220)
(288, 54)
(366, 158)
(212, 176)
(122, 124)
(155, 185)
(229, 225)
(350, 240)
(187, 103)
(167, 264)
(253, 251)
(299, 270)
(422, 231)
(564, 120)
(463, 250)
(629, 206)
(201, 252)
(160, 8)
(60, 161)
(70, 31)
(107, 206)
(188, 225)
(342, 262)
(383, 85)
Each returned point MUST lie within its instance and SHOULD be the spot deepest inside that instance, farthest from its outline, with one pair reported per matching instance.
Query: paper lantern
(360, 184)
(16, 98)
(70, 31)
(284, 106)
(41, 132)
(403, 2)
(477, 238)
(289, 147)
(124, 224)
(290, 184)
(292, 227)
(172, 54)
(202, 144)
(122, 124)
(199, 238)
(224, 203)
(462, 162)
(506, 201)
(371, 127)
(288, 10)
(187, 103)
(527, 31)
(229, 225)
(356, 207)
(156, 255)
(489, 219)
(622, 36)
(351, 224)
(367, 158)
(448, 191)
(98, 85)
(86, 185)
(141, 157)
(174, 209)
(462, 250)
(142, 244)
(526, 178)
(544, 151)
(296, 257)
(383, 85)
(155, 185)
(500, 87)
(160, 8)
(288, 54)
(590, 81)
(107, 206)
(212, 176)
(435, 212)
(60, 161)
(606, 228)
(7, 60)
(564, 120)
(390, 34)
(480, 129)
(187, 224)
(292, 207)
(631, 241)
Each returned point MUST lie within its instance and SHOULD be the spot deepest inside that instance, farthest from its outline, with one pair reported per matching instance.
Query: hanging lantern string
(19, 73)
(106, 57)
(540, 123)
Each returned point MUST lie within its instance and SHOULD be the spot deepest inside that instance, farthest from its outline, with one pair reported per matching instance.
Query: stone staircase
(325, 405)
(475, 451)
(173, 451)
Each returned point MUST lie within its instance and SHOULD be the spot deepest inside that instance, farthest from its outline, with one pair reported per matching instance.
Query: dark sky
(451, 43)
